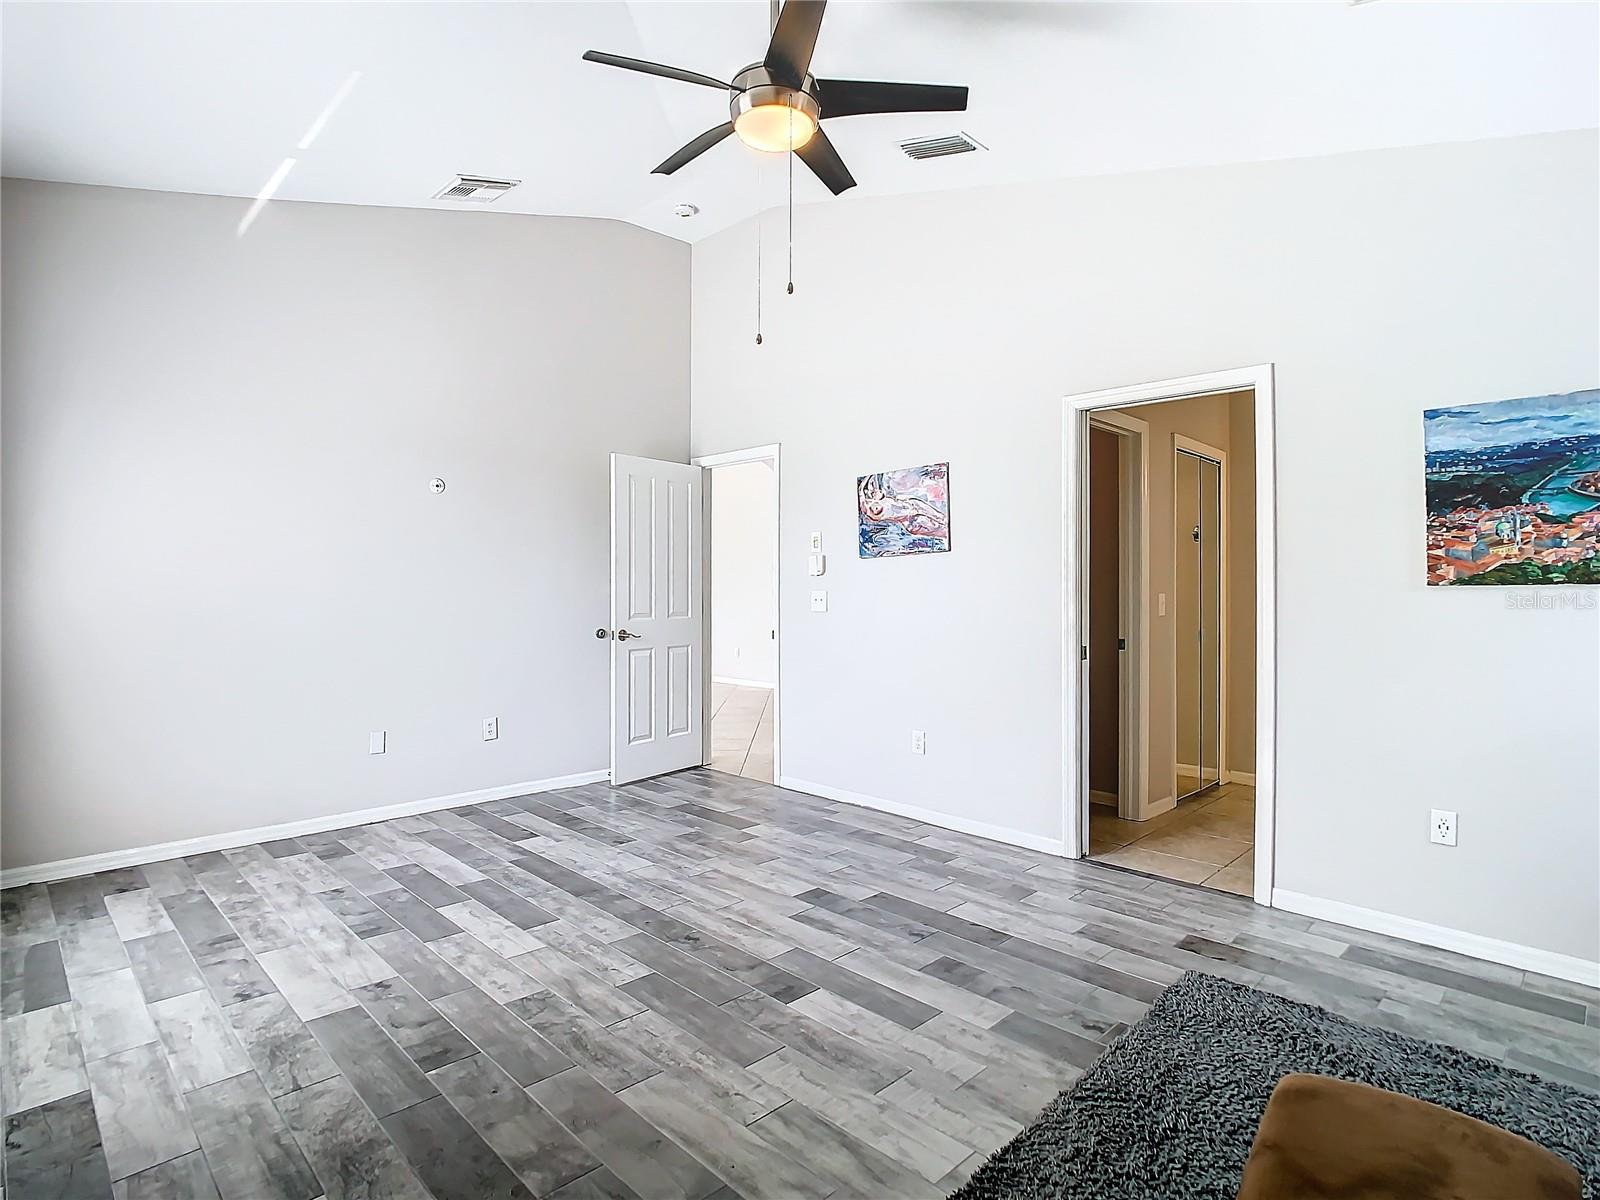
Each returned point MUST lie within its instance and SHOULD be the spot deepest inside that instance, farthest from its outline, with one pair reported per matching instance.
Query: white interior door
(657, 547)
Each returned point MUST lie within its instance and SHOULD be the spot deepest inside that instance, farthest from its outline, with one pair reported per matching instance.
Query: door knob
(623, 635)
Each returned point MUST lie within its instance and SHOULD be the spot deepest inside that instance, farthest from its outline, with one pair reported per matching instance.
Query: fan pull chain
(790, 156)
(758, 254)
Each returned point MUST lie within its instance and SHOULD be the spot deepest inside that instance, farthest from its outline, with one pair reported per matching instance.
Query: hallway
(1209, 840)
(741, 731)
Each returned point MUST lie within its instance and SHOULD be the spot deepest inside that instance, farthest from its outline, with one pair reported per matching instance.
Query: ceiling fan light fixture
(772, 118)
(775, 128)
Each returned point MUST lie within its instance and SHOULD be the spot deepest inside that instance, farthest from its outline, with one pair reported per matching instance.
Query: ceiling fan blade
(793, 40)
(694, 149)
(825, 163)
(650, 68)
(857, 97)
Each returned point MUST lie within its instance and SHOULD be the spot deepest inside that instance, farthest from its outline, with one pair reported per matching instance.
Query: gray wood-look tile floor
(694, 986)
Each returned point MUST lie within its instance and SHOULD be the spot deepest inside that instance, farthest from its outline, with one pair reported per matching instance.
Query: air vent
(941, 147)
(475, 189)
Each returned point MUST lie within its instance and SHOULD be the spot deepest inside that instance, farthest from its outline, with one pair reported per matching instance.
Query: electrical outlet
(491, 728)
(377, 741)
(816, 542)
(919, 741)
(819, 601)
(1442, 827)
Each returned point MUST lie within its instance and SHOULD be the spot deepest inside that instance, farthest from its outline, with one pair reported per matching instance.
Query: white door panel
(656, 551)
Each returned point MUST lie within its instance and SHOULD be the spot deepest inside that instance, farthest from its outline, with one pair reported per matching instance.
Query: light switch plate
(819, 601)
(816, 542)
(816, 564)
(377, 741)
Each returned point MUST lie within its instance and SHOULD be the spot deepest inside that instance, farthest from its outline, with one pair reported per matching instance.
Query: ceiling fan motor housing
(754, 87)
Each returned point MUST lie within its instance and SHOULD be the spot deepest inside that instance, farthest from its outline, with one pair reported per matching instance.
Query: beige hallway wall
(1240, 753)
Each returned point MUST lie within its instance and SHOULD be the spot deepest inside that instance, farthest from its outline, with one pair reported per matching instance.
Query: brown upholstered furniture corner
(1326, 1139)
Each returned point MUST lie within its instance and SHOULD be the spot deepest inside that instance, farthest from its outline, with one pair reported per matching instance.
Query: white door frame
(1219, 456)
(772, 454)
(1133, 498)
(1075, 787)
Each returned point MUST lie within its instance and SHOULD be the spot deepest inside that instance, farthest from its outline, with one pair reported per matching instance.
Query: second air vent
(475, 189)
(942, 146)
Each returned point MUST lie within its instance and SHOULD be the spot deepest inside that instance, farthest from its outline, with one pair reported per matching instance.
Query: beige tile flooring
(741, 731)
(1209, 840)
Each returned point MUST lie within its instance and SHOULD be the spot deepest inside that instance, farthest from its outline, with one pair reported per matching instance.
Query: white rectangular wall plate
(919, 741)
(816, 542)
(491, 728)
(819, 601)
(377, 741)
(1442, 827)
(816, 564)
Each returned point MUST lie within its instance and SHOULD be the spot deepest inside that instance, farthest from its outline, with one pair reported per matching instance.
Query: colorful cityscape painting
(1514, 491)
(904, 512)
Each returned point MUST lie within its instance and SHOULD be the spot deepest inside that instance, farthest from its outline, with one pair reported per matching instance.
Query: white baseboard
(994, 833)
(750, 683)
(88, 864)
(1475, 945)
(1239, 777)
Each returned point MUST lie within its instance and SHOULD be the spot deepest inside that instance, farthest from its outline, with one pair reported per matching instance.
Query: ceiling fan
(776, 104)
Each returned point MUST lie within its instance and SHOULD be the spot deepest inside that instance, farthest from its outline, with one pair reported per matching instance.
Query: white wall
(223, 566)
(1380, 284)
(744, 586)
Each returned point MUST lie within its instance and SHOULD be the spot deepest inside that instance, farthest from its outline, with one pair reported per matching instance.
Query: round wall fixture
(685, 210)
(436, 486)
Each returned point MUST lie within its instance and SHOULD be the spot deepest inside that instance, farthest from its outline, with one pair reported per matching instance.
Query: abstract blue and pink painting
(905, 511)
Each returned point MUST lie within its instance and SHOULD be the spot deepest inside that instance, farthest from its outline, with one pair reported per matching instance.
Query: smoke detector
(942, 146)
(475, 189)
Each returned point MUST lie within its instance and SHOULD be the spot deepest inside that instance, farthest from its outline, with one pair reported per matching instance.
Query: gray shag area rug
(1171, 1108)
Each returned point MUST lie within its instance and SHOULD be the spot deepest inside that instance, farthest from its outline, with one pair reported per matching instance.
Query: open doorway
(742, 644)
(1166, 558)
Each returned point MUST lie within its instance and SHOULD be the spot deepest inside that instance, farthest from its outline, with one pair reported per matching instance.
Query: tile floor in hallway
(741, 731)
(693, 986)
(1209, 840)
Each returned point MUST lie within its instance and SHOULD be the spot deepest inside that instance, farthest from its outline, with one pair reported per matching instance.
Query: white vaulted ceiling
(213, 98)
